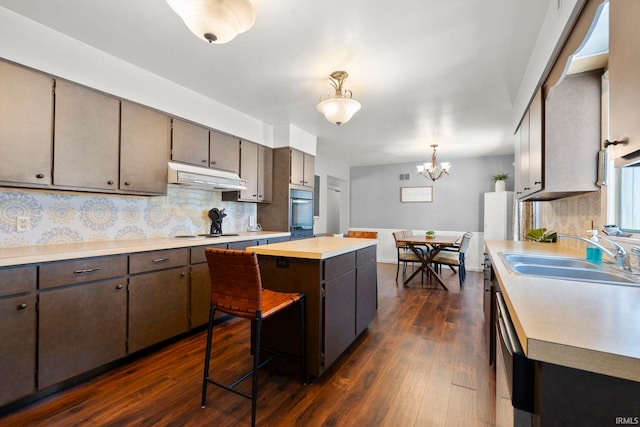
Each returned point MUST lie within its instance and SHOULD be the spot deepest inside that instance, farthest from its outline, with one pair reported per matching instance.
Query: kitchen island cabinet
(18, 332)
(339, 280)
(81, 316)
(26, 108)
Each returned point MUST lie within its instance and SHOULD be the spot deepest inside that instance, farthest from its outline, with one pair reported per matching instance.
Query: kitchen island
(581, 336)
(339, 279)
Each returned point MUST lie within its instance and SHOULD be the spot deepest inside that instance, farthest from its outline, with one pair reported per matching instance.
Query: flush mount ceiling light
(216, 21)
(434, 170)
(338, 109)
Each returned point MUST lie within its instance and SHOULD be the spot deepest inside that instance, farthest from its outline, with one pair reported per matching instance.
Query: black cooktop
(187, 236)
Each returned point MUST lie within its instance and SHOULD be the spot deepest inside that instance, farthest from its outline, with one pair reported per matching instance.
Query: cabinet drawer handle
(213, 163)
(40, 176)
(86, 270)
(21, 306)
(158, 260)
(203, 161)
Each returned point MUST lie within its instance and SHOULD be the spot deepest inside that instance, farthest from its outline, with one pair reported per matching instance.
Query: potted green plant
(430, 234)
(499, 180)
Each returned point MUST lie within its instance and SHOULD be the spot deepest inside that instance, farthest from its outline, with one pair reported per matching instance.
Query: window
(628, 199)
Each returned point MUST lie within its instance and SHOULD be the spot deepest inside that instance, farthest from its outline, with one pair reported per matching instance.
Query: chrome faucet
(620, 255)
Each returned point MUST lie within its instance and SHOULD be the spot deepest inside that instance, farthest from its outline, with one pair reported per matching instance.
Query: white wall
(29, 43)
(331, 169)
(457, 198)
(555, 28)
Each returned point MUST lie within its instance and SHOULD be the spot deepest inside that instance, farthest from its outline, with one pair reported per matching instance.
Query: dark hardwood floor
(422, 362)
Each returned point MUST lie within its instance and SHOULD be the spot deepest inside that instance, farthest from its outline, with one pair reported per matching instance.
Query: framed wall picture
(416, 194)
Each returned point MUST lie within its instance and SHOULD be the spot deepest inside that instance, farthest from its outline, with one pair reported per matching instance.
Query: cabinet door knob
(608, 143)
(21, 306)
(213, 162)
(119, 287)
(127, 183)
(40, 176)
(183, 274)
(110, 182)
(204, 161)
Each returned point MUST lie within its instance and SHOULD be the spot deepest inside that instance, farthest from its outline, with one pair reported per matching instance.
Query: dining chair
(454, 257)
(236, 289)
(405, 254)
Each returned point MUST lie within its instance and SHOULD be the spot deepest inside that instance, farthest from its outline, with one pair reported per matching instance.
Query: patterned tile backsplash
(65, 217)
(572, 215)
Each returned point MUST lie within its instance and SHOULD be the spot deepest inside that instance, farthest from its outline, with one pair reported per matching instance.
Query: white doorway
(333, 209)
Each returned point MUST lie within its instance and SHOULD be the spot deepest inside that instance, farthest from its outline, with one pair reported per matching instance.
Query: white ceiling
(425, 71)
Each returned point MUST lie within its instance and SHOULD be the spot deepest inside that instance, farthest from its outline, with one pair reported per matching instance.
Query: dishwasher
(515, 374)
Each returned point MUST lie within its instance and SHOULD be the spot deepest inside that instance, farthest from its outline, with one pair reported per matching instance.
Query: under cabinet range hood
(204, 178)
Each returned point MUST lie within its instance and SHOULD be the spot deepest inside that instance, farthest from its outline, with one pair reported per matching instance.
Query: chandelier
(216, 21)
(338, 109)
(434, 170)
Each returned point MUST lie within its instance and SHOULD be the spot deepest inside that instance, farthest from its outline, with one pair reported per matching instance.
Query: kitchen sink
(566, 268)
(551, 261)
(579, 274)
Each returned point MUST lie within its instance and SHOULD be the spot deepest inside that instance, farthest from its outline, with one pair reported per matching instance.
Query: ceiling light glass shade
(434, 170)
(216, 21)
(339, 108)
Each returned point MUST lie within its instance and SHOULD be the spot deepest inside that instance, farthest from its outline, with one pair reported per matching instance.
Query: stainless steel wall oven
(301, 213)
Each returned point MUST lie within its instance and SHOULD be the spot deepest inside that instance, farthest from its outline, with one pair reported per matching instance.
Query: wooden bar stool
(236, 289)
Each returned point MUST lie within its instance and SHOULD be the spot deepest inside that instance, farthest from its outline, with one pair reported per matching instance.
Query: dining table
(434, 244)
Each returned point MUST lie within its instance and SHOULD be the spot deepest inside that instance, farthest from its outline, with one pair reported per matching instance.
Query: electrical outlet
(23, 223)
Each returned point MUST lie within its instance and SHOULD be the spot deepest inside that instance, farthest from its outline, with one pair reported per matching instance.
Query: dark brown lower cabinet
(158, 307)
(80, 328)
(339, 315)
(17, 347)
(366, 295)
(200, 294)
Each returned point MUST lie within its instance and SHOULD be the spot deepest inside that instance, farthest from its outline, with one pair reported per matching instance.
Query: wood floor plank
(421, 362)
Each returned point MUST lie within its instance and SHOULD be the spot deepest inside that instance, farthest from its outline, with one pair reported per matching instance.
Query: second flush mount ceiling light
(339, 108)
(216, 21)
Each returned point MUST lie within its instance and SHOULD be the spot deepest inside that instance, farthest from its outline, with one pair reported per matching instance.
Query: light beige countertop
(590, 326)
(45, 253)
(316, 248)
